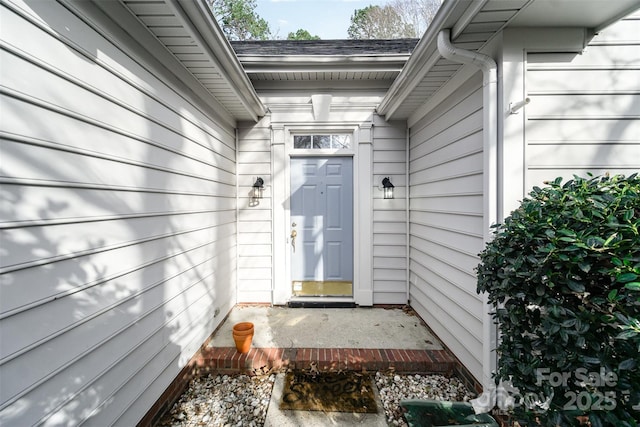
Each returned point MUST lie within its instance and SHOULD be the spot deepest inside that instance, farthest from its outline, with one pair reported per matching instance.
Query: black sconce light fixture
(387, 187)
(258, 186)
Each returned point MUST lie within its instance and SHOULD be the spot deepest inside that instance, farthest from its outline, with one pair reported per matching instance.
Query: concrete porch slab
(364, 328)
(327, 339)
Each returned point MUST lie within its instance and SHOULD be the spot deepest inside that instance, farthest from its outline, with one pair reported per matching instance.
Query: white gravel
(242, 400)
(395, 387)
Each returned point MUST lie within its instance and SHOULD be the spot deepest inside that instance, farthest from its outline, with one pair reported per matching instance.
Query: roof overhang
(217, 48)
(188, 32)
(473, 25)
(316, 63)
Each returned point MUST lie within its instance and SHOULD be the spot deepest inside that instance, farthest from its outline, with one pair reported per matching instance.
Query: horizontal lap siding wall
(584, 114)
(118, 222)
(254, 215)
(446, 200)
(389, 216)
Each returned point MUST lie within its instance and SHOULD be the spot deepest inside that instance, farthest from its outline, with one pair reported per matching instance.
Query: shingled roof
(324, 47)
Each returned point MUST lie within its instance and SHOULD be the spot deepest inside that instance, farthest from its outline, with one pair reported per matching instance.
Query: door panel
(322, 218)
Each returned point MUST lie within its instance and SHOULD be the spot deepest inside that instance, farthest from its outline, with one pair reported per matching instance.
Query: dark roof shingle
(324, 47)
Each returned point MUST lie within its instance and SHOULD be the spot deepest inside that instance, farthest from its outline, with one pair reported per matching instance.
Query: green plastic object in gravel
(428, 413)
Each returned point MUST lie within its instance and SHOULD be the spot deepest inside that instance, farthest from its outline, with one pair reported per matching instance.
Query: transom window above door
(324, 141)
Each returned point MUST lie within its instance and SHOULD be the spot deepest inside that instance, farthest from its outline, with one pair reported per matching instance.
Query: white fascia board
(198, 17)
(323, 63)
(313, 59)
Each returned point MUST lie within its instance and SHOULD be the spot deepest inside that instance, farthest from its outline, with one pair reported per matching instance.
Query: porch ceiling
(322, 68)
(473, 25)
(189, 31)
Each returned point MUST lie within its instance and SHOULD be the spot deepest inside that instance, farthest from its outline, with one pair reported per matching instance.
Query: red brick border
(227, 359)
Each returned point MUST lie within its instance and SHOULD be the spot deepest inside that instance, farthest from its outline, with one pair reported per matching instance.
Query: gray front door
(322, 223)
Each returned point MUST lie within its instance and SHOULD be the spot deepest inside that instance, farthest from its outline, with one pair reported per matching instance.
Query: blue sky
(328, 19)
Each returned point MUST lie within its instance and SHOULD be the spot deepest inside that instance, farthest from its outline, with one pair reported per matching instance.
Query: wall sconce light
(387, 187)
(258, 186)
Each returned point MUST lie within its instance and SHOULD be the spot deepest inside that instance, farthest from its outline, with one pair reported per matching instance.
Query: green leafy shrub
(564, 273)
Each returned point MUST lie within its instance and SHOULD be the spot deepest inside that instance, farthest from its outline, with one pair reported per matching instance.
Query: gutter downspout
(236, 139)
(490, 172)
(408, 225)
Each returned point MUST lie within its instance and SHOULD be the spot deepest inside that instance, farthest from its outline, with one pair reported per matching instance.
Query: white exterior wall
(446, 217)
(389, 216)
(584, 114)
(255, 225)
(118, 221)
(584, 110)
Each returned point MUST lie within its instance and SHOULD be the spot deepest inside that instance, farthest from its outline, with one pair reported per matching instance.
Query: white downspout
(408, 225)
(237, 147)
(490, 186)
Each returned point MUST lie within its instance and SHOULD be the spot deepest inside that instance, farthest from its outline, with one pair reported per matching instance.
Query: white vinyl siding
(584, 114)
(117, 222)
(446, 217)
(254, 215)
(389, 215)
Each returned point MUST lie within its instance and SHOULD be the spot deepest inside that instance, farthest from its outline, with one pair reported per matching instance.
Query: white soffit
(277, 68)
(474, 24)
(592, 14)
(198, 44)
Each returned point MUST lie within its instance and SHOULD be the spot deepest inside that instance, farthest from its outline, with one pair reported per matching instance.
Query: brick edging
(227, 359)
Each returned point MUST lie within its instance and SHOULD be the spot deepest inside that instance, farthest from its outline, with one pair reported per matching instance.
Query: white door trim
(281, 152)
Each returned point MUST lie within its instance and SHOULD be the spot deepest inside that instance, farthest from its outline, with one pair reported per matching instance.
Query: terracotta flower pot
(242, 335)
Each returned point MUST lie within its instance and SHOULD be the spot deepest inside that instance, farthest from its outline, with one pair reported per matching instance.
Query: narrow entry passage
(322, 226)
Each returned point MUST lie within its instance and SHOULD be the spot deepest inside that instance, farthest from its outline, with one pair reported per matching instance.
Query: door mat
(328, 392)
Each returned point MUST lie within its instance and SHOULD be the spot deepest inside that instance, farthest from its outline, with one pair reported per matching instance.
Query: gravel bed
(395, 387)
(242, 400)
(222, 400)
